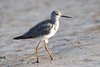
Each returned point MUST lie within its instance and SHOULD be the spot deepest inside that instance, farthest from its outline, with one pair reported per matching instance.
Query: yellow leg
(37, 52)
(47, 50)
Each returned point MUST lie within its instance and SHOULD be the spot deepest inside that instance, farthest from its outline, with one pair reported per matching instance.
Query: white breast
(53, 30)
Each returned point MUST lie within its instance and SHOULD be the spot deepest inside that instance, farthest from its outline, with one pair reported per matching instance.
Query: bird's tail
(19, 37)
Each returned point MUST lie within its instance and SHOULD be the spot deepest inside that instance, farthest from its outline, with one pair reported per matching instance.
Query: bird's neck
(54, 20)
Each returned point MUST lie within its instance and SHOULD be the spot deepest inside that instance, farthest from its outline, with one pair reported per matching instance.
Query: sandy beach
(76, 44)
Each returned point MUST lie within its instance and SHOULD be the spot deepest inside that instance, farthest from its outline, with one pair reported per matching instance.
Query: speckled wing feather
(43, 28)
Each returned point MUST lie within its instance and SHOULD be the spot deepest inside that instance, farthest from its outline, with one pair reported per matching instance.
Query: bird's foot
(37, 61)
(52, 58)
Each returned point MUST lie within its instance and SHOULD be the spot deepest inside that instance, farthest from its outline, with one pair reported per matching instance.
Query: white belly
(53, 30)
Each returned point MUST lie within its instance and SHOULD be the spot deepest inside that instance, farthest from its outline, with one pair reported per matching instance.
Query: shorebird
(44, 30)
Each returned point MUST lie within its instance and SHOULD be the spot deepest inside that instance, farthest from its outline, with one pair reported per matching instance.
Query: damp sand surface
(76, 44)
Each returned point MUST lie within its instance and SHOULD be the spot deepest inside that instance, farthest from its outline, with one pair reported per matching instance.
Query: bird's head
(57, 14)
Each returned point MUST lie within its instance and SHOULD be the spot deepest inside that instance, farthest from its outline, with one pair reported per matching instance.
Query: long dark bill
(66, 16)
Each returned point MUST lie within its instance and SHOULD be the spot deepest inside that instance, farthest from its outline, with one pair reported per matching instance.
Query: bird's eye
(56, 14)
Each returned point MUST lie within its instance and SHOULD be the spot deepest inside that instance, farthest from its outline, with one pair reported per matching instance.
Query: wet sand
(76, 44)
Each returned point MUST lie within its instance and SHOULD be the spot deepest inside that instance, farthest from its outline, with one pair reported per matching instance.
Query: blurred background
(75, 44)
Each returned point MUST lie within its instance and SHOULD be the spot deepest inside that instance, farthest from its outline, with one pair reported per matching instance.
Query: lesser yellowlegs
(44, 30)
